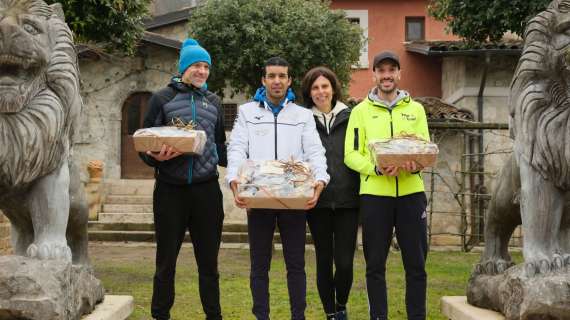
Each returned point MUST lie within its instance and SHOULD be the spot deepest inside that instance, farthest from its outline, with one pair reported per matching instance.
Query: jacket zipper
(329, 134)
(392, 136)
(191, 165)
(275, 122)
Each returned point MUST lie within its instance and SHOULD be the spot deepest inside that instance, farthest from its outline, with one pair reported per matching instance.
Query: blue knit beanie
(191, 53)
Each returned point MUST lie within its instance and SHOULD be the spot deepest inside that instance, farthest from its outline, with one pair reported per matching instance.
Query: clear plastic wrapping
(276, 184)
(183, 140)
(398, 150)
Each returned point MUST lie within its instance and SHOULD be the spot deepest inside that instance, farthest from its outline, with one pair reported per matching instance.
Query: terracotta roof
(462, 48)
(438, 110)
(95, 53)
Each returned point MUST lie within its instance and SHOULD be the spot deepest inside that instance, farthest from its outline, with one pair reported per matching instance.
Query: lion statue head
(39, 90)
(539, 101)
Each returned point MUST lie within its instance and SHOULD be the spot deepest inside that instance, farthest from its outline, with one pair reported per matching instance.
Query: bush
(117, 25)
(242, 34)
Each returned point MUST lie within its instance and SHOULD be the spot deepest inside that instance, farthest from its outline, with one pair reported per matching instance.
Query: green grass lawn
(129, 270)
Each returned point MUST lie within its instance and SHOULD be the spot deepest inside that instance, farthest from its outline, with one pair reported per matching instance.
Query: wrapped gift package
(183, 140)
(273, 184)
(398, 150)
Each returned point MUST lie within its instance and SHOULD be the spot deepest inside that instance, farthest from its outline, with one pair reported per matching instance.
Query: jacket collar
(340, 118)
(178, 85)
(261, 97)
(374, 98)
(334, 112)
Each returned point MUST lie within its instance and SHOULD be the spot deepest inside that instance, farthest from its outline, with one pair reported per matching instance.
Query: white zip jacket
(259, 135)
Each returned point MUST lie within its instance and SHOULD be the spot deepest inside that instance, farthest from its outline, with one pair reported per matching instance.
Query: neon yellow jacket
(372, 120)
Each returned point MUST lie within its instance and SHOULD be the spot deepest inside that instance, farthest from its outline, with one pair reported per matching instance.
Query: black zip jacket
(342, 190)
(179, 170)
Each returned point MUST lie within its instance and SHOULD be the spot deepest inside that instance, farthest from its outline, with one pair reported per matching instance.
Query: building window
(230, 114)
(415, 28)
(360, 17)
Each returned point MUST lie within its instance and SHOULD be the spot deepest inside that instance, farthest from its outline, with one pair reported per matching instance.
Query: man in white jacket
(273, 127)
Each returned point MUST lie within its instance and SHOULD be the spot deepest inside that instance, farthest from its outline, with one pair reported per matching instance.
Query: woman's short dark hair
(310, 78)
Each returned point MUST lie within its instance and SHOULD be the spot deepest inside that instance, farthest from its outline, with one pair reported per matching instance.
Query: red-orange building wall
(421, 75)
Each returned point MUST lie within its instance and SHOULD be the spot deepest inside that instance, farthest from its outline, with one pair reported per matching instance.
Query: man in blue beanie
(187, 194)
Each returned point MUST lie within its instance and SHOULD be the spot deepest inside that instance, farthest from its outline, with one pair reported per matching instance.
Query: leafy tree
(116, 24)
(485, 20)
(242, 34)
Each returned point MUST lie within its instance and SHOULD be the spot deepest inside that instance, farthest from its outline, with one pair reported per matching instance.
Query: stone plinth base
(112, 308)
(520, 296)
(457, 308)
(33, 289)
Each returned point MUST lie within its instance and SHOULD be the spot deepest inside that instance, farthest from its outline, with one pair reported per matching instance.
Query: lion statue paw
(492, 267)
(544, 266)
(58, 250)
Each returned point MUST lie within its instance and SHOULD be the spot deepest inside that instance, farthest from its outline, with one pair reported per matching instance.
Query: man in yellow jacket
(390, 197)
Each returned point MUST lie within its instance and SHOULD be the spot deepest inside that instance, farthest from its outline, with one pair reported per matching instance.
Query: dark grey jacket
(179, 100)
(342, 189)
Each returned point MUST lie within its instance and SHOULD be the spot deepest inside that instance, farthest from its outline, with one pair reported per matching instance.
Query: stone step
(103, 226)
(457, 308)
(127, 208)
(112, 307)
(148, 236)
(122, 236)
(125, 217)
(128, 199)
(120, 226)
(130, 187)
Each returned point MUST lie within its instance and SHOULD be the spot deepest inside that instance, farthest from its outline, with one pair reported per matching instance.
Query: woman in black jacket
(334, 221)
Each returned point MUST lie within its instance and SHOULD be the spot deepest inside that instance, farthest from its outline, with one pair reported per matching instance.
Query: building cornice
(462, 48)
(168, 18)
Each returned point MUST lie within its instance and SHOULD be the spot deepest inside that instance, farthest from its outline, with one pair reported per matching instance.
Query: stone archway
(133, 112)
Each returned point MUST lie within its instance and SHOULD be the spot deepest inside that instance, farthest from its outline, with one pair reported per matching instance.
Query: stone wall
(106, 84)
(4, 235)
(451, 187)
(173, 31)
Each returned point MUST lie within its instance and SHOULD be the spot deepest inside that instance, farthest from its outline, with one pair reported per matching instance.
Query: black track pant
(292, 228)
(199, 209)
(380, 215)
(334, 234)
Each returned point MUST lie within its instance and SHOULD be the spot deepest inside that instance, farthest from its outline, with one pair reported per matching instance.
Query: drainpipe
(481, 158)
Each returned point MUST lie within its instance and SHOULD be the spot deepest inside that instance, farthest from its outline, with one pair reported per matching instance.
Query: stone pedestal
(457, 308)
(112, 308)
(522, 297)
(33, 289)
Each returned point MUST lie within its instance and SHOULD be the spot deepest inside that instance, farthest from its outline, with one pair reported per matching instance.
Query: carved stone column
(93, 188)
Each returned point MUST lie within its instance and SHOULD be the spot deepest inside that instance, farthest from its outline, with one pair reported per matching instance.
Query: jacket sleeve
(238, 146)
(220, 133)
(355, 144)
(154, 117)
(313, 150)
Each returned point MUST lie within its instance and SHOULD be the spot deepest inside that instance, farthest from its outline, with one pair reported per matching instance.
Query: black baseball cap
(384, 55)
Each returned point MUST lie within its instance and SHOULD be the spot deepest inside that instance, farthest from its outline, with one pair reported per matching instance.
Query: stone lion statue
(40, 104)
(534, 185)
